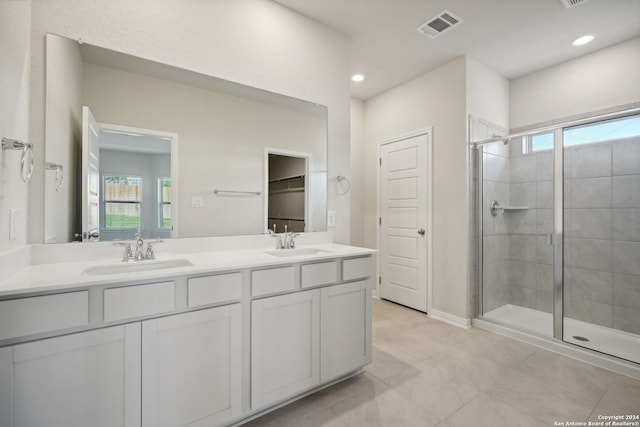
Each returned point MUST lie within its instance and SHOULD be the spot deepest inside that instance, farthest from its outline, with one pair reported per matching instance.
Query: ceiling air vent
(440, 23)
(568, 4)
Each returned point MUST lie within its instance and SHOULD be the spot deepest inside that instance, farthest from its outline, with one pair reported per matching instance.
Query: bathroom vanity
(213, 332)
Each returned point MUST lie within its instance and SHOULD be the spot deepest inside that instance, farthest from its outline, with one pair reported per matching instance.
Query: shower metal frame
(557, 237)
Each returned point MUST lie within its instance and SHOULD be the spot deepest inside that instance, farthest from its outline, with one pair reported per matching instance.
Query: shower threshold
(600, 338)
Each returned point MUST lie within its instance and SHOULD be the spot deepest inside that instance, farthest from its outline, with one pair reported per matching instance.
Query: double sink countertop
(61, 275)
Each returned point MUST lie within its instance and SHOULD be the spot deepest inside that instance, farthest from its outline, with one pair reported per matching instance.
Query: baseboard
(460, 322)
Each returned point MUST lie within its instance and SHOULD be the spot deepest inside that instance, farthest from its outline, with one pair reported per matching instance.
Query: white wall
(487, 94)
(592, 83)
(63, 136)
(254, 42)
(436, 99)
(15, 66)
(357, 188)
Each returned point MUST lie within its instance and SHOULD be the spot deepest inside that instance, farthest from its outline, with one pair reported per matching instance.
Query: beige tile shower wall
(602, 226)
(602, 232)
(530, 256)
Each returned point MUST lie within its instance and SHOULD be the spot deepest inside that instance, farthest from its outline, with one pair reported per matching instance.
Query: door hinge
(380, 161)
(380, 280)
(379, 220)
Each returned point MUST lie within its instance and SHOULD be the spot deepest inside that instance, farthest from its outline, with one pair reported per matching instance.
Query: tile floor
(428, 373)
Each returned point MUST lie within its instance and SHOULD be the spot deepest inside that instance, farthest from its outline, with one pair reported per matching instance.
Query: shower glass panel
(602, 236)
(516, 214)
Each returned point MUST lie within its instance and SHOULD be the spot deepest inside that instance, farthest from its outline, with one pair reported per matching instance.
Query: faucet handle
(149, 254)
(279, 242)
(292, 242)
(128, 253)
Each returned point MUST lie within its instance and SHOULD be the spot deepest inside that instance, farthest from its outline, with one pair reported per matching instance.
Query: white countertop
(69, 275)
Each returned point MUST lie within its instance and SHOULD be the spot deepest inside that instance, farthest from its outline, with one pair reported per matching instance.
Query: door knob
(421, 231)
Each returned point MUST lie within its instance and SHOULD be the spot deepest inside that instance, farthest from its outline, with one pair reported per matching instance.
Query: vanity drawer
(213, 289)
(140, 300)
(26, 316)
(356, 268)
(272, 280)
(321, 273)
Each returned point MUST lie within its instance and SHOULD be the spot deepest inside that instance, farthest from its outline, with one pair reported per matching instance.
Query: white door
(84, 379)
(90, 177)
(345, 332)
(404, 221)
(285, 346)
(191, 368)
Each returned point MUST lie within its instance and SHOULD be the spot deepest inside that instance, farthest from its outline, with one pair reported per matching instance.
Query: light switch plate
(331, 219)
(197, 202)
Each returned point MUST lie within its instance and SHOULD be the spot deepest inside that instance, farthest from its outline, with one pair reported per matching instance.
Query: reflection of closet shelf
(286, 219)
(286, 178)
(289, 190)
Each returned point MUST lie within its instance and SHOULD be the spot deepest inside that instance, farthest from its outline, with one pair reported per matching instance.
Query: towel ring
(27, 153)
(59, 177)
(343, 185)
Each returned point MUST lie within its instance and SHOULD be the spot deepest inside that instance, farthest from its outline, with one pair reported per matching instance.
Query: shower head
(505, 141)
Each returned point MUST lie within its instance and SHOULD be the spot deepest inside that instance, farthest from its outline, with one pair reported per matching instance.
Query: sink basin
(134, 266)
(285, 253)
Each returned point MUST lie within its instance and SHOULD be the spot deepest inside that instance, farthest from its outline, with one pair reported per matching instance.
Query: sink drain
(579, 338)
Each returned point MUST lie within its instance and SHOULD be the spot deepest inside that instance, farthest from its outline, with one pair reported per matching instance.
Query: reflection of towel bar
(257, 193)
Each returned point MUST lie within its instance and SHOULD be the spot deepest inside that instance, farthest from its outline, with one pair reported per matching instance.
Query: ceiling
(511, 37)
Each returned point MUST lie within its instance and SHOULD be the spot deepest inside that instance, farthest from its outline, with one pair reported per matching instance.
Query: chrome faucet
(284, 240)
(140, 254)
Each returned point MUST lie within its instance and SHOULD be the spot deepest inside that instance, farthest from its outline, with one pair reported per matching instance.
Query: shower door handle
(550, 239)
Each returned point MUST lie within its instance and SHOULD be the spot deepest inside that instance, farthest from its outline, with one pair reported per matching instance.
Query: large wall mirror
(174, 152)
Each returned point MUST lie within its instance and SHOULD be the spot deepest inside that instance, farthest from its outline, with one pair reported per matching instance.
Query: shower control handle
(421, 231)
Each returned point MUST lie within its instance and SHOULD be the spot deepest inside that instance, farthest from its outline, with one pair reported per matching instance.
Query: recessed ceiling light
(580, 41)
(357, 78)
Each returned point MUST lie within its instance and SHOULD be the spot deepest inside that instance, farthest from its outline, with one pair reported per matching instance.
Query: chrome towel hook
(27, 156)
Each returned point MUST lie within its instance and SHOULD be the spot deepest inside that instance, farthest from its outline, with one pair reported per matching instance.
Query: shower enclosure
(556, 220)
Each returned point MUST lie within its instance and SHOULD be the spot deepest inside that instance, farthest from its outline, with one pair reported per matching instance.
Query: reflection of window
(122, 201)
(164, 203)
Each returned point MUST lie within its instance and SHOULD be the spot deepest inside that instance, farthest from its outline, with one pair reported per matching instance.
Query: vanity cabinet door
(285, 346)
(345, 329)
(191, 368)
(84, 379)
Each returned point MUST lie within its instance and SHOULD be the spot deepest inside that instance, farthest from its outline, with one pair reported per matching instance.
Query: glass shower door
(602, 236)
(517, 221)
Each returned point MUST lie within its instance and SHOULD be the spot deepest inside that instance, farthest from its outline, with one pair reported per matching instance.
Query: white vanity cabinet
(191, 368)
(285, 346)
(206, 348)
(304, 338)
(84, 379)
(345, 328)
